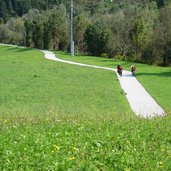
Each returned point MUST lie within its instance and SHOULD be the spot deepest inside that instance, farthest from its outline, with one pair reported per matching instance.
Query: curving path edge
(139, 99)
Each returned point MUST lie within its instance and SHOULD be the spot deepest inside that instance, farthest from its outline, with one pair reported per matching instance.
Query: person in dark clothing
(119, 69)
(133, 68)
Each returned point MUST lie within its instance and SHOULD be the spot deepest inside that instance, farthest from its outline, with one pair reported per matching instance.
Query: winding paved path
(139, 99)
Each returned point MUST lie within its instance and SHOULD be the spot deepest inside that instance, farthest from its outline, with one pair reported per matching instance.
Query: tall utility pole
(72, 29)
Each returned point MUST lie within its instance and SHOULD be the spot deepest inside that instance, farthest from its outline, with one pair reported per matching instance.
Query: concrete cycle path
(139, 99)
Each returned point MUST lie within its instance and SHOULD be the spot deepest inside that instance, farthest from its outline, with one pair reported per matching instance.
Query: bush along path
(139, 99)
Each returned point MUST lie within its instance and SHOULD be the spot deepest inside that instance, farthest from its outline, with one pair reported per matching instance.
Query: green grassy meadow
(155, 79)
(56, 116)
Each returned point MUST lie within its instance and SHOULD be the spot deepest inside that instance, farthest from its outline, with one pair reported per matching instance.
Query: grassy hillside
(55, 116)
(30, 82)
(155, 79)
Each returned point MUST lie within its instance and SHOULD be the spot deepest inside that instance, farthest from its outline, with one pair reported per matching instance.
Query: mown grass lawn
(156, 79)
(31, 82)
(57, 116)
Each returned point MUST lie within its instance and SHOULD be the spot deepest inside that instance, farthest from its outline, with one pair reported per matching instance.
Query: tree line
(126, 29)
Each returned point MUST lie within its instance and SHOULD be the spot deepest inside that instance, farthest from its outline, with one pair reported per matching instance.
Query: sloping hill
(59, 117)
(29, 80)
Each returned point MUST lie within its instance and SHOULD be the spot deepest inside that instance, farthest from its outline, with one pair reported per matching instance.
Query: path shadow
(128, 75)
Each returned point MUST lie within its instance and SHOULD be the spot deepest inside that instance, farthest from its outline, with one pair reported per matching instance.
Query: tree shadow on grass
(160, 74)
(19, 49)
